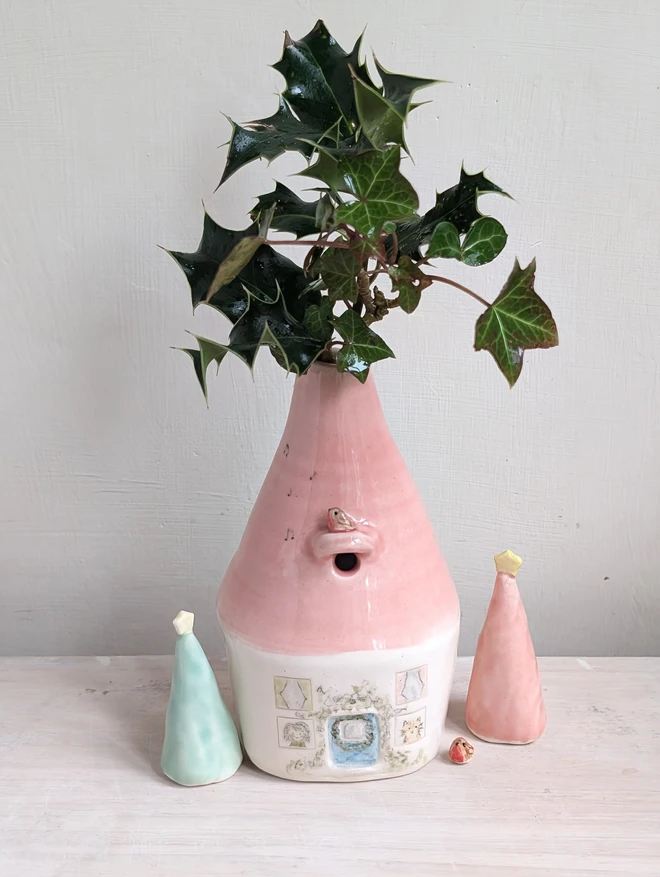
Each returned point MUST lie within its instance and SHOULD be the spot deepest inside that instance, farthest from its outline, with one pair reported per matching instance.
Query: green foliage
(445, 242)
(361, 228)
(457, 205)
(409, 281)
(269, 138)
(361, 346)
(381, 122)
(398, 89)
(208, 352)
(381, 191)
(317, 320)
(517, 320)
(291, 213)
(484, 241)
(339, 271)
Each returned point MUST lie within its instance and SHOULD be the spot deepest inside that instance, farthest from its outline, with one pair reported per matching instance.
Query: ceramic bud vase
(505, 700)
(340, 617)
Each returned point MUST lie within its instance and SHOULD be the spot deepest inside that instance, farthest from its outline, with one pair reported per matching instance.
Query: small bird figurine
(340, 521)
(460, 751)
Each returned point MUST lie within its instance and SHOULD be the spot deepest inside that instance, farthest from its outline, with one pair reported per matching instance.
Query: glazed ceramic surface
(505, 699)
(340, 674)
(201, 744)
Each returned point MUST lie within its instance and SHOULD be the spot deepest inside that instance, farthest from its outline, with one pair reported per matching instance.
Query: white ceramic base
(344, 717)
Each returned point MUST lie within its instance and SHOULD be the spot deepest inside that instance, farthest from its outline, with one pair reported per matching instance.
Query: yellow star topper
(507, 561)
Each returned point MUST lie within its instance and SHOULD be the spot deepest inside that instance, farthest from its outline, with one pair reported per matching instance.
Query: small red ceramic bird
(340, 521)
(461, 751)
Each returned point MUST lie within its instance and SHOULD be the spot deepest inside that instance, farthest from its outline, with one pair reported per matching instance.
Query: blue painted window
(354, 740)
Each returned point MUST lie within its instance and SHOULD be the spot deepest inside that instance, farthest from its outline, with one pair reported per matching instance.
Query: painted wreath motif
(353, 745)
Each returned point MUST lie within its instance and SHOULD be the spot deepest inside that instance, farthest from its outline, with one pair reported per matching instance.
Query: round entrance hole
(346, 562)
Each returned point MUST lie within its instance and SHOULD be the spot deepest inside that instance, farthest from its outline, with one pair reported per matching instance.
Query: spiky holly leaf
(339, 270)
(399, 89)
(363, 346)
(272, 324)
(517, 320)
(457, 205)
(236, 260)
(318, 78)
(201, 266)
(209, 351)
(381, 190)
(240, 255)
(381, 122)
(409, 281)
(485, 240)
(317, 107)
(325, 169)
(269, 138)
(265, 274)
(317, 320)
(291, 213)
(445, 242)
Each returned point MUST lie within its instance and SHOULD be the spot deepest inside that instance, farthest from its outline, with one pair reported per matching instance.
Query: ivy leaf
(457, 205)
(398, 89)
(409, 281)
(269, 138)
(445, 242)
(317, 320)
(291, 213)
(263, 277)
(381, 190)
(485, 240)
(209, 351)
(517, 320)
(381, 122)
(339, 269)
(326, 166)
(319, 86)
(362, 348)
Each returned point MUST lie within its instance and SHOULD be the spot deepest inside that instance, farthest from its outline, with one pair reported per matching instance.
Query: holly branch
(369, 250)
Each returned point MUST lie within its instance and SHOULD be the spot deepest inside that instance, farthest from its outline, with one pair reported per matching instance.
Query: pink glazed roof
(282, 591)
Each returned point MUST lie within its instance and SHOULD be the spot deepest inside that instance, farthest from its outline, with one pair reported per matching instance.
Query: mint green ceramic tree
(369, 250)
(201, 743)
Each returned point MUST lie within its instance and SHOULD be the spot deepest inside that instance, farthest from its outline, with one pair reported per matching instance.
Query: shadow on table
(456, 716)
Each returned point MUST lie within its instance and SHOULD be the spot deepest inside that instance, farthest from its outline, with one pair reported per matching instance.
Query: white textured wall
(123, 498)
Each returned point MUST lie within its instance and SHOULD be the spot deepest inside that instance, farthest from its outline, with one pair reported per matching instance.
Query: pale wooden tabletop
(81, 794)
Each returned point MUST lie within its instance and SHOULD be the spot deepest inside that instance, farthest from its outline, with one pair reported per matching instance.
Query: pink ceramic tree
(505, 701)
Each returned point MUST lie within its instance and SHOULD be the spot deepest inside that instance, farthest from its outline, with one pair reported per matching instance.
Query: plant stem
(458, 286)
(338, 245)
(395, 246)
(365, 297)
